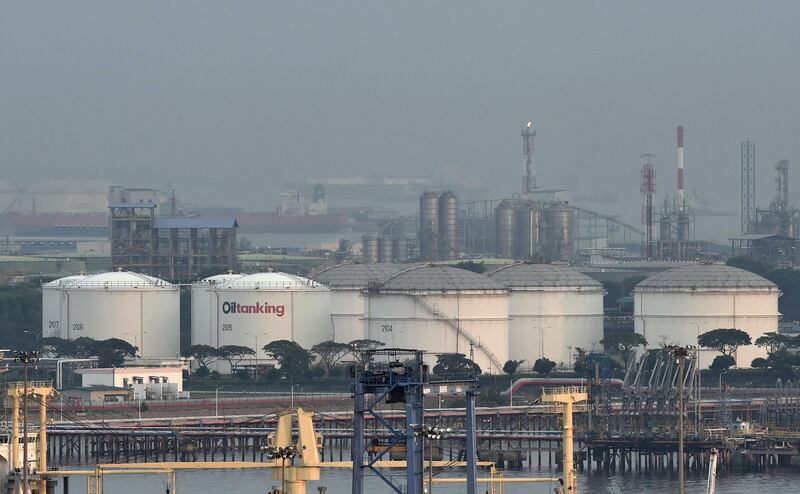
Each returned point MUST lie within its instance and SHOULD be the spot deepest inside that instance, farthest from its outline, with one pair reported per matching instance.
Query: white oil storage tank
(347, 283)
(441, 309)
(677, 305)
(257, 309)
(140, 309)
(203, 310)
(51, 305)
(552, 309)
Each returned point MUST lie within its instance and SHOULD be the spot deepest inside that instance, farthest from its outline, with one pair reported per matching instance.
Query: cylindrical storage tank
(441, 309)
(257, 309)
(140, 309)
(665, 229)
(527, 221)
(504, 224)
(429, 225)
(51, 305)
(558, 221)
(385, 249)
(551, 308)
(370, 251)
(683, 228)
(400, 247)
(448, 225)
(675, 306)
(204, 307)
(347, 283)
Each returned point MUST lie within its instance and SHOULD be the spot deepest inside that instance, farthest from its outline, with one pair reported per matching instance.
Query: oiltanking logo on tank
(257, 308)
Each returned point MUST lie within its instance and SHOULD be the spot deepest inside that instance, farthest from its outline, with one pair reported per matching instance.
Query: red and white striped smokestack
(681, 196)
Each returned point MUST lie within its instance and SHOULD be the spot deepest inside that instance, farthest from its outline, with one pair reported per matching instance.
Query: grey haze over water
(229, 100)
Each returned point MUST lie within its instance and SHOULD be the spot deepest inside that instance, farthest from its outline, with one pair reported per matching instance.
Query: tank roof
(221, 278)
(542, 276)
(439, 278)
(356, 275)
(273, 280)
(123, 279)
(65, 281)
(705, 276)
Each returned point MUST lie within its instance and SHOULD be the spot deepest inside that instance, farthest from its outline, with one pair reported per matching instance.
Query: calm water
(338, 482)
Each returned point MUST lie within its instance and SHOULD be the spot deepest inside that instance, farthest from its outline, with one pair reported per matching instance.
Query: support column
(14, 446)
(472, 446)
(42, 467)
(357, 450)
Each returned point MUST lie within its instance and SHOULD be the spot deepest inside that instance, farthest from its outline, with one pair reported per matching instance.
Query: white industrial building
(347, 283)
(142, 310)
(552, 309)
(146, 383)
(441, 309)
(676, 306)
(257, 309)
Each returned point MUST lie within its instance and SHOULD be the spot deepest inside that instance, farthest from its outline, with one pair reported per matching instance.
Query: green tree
(624, 343)
(511, 366)
(113, 351)
(759, 363)
(233, 354)
(359, 347)
(205, 355)
(748, 263)
(724, 340)
(292, 359)
(543, 366)
(455, 364)
(722, 363)
(774, 342)
(330, 353)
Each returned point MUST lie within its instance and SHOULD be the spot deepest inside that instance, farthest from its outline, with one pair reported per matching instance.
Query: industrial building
(144, 383)
(140, 309)
(175, 248)
(552, 309)
(441, 309)
(257, 309)
(676, 306)
(347, 283)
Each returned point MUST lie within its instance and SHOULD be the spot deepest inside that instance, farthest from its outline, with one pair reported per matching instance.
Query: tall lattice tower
(748, 187)
(648, 191)
(528, 170)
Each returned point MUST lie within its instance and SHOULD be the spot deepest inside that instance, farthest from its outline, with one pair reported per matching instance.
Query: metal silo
(140, 309)
(551, 308)
(428, 225)
(400, 247)
(678, 305)
(448, 226)
(441, 309)
(504, 223)
(54, 305)
(527, 219)
(385, 249)
(665, 229)
(558, 222)
(369, 249)
(683, 228)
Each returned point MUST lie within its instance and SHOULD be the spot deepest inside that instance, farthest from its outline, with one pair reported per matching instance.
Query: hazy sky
(227, 100)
